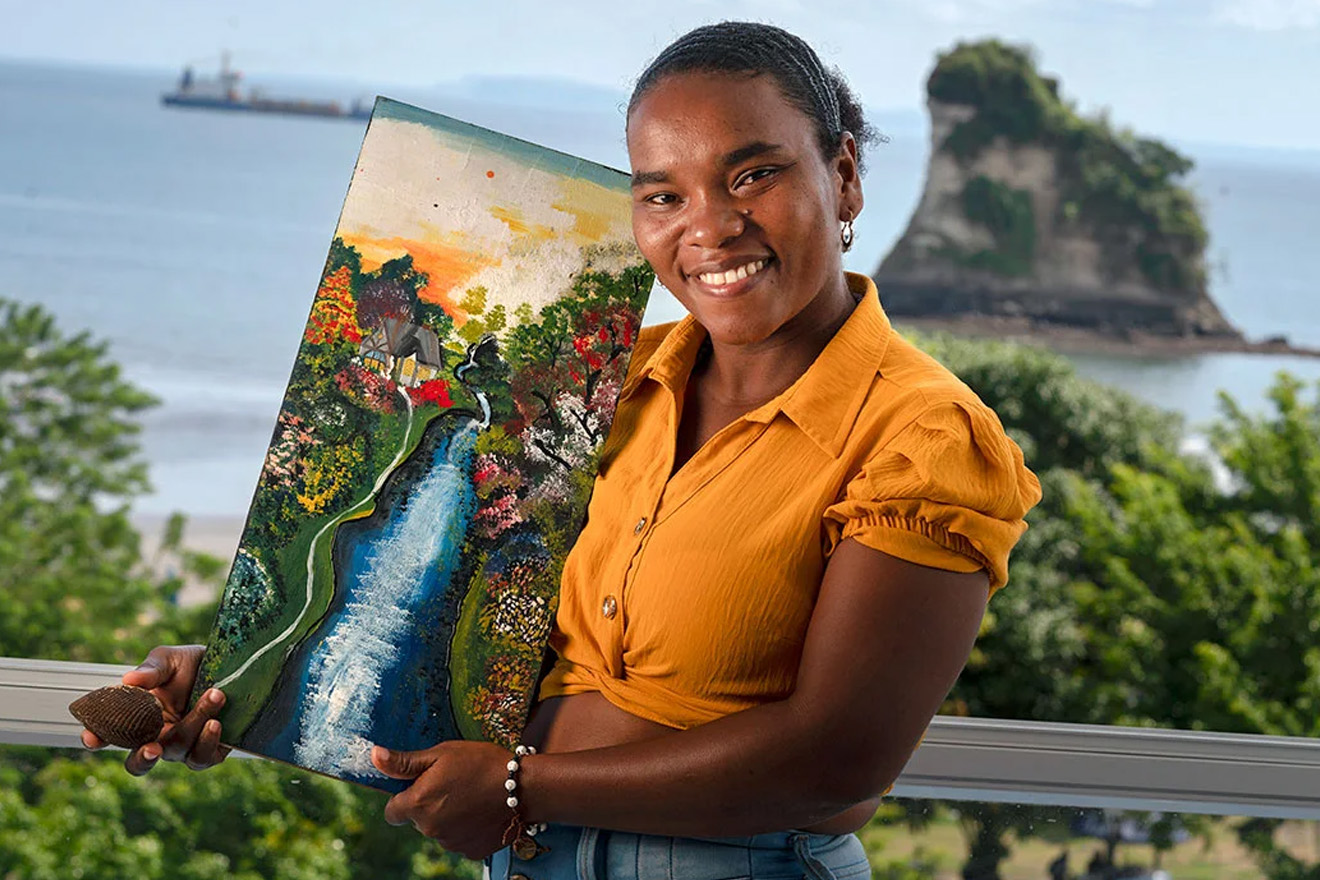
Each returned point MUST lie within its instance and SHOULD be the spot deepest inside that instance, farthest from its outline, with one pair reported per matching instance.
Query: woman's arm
(886, 641)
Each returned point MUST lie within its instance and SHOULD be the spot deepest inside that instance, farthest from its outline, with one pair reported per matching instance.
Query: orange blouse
(687, 598)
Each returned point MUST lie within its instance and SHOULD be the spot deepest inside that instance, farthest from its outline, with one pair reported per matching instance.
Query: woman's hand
(458, 797)
(191, 737)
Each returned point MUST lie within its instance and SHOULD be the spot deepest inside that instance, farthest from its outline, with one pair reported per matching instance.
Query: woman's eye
(755, 175)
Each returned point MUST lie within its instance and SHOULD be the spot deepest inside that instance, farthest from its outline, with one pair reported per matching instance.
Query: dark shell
(121, 715)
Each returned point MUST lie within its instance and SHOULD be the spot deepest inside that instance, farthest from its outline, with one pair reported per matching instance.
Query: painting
(431, 463)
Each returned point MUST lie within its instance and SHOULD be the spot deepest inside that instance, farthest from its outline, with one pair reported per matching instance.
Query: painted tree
(570, 364)
(334, 310)
(390, 292)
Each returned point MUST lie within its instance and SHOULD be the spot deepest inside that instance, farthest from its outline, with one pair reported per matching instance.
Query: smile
(746, 270)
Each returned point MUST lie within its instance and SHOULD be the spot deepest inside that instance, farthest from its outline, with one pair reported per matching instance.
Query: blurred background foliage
(1159, 585)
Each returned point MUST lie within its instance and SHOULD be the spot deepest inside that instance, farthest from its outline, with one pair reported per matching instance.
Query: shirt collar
(825, 400)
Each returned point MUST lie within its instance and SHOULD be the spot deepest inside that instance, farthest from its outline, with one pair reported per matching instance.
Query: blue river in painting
(359, 677)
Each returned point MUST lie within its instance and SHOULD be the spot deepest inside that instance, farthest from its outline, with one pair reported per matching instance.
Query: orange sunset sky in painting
(472, 215)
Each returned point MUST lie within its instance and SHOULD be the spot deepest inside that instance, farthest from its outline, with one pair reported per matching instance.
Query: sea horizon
(193, 241)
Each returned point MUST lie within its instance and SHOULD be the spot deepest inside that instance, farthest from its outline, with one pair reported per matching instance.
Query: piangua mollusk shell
(121, 715)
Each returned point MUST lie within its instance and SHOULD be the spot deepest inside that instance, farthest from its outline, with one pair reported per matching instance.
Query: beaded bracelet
(524, 846)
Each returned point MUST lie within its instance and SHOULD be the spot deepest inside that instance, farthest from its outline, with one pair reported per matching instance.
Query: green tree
(1145, 592)
(69, 557)
(77, 588)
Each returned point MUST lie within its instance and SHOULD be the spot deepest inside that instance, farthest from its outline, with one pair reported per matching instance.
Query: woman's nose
(713, 222)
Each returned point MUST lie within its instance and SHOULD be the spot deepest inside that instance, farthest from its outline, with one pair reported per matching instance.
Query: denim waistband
(568, 852)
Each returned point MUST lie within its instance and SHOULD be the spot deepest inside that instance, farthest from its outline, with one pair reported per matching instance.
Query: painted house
(407, 353)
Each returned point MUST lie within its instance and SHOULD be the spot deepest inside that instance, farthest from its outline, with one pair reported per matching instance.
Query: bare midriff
(589, 721)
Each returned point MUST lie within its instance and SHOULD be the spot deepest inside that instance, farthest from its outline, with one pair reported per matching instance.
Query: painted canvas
(431, 464)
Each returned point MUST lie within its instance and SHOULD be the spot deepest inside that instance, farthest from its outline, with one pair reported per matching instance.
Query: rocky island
(1036, 222)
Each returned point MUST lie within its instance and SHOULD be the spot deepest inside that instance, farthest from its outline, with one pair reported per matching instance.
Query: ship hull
(286, 108)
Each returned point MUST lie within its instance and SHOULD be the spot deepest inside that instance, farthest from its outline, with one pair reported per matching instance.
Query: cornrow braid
(751, 48)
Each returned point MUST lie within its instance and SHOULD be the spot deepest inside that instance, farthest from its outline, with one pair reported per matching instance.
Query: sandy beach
(216, 535)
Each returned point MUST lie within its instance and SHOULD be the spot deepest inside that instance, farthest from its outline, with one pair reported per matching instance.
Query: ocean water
(193, 241)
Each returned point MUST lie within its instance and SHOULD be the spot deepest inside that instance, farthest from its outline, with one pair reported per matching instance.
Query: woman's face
(734, 205)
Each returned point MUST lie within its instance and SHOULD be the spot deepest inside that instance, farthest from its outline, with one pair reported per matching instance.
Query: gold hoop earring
(846, 235)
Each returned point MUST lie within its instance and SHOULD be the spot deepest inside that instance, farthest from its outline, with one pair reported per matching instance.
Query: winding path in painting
(311, 552)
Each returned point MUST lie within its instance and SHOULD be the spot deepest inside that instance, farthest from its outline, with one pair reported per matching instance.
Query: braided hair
(751, 48)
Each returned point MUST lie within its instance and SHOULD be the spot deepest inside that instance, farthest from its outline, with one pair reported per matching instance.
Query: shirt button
(641, 524)
(609, 607)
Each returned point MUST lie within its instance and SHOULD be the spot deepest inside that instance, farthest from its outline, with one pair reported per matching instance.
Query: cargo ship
(223, 93)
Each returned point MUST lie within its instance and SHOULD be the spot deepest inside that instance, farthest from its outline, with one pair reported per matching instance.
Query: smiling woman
(797, 521)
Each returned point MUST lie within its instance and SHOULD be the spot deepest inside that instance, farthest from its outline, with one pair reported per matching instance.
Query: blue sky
(1197, 71)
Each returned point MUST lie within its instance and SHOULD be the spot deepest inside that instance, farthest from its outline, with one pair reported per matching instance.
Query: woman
(794, 532)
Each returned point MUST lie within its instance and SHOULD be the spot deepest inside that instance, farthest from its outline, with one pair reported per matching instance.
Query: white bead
(510, 785)
(512, 802)
(532, 830)
(531, 750)
(512, 766)
(541, 826)
(520, 751)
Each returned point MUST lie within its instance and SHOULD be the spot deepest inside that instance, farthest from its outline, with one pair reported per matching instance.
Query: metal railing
(1075, 765)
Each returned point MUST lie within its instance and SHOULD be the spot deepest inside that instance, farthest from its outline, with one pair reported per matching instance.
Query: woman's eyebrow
(733, 157)
(750, 151)
(642, 178)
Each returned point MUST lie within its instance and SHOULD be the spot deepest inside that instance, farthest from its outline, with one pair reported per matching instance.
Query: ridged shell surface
(121, 715)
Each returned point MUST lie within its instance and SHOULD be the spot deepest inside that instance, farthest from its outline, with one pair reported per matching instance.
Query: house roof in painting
(401, 338)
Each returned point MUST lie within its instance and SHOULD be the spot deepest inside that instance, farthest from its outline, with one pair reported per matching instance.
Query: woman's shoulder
(934, 476)
(911, 385)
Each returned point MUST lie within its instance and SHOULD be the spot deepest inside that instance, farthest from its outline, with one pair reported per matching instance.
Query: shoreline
(214, 534)
(1077, 340)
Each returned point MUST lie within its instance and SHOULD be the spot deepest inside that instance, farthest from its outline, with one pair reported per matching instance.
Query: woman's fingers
(153, 672)
(182, 736)
(141, 760)
(91, 740)
(195, 740)
(168, 672)
(207, 752)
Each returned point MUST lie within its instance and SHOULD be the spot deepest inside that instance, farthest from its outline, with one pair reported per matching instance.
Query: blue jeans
(573, 853)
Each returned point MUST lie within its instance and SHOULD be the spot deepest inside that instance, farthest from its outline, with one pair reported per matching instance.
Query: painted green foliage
(533, 475)
(1125, 189)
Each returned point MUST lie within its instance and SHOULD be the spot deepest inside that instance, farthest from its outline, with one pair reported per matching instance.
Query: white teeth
(743, 271)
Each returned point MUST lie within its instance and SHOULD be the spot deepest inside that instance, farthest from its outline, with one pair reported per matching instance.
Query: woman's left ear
(850, 178)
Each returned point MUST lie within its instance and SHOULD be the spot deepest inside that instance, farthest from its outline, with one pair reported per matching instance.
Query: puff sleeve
(949, 491)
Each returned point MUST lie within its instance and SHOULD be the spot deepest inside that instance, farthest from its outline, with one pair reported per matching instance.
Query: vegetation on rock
(1123, 189)
(1008, 214)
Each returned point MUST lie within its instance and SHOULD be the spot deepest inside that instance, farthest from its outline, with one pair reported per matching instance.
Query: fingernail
(382, 754)
(151, 752)
(214, 697)
(213, 726)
